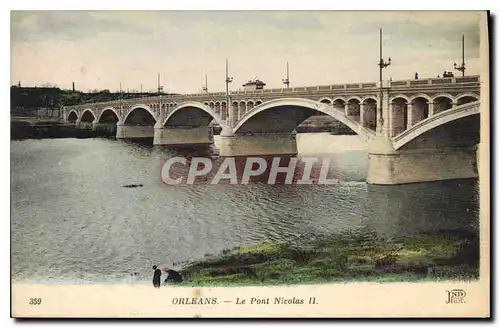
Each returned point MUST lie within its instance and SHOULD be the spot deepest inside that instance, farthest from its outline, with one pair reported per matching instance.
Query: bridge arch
(441, 95)
(368, 115)
(419, 109)
(354, 108)
(364, 99)
(87, 116)
(339, 104)
(72, 116)
(421, 95)
(234, 109)
(336, 99)
(192, 114)
(326, 100)
(108, 112)
(442, 102)
(242, 108)
(250, 104)
(400, 96)
(352, 98)
(217, 107)
(399, 113)
(261, 118)
(465, 98)
(462, 112)
(133, 115)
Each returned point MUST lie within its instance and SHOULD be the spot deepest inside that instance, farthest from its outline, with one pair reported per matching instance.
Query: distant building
(254, 85)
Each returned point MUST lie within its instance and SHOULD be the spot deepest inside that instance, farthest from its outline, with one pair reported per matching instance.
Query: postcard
(250, 164)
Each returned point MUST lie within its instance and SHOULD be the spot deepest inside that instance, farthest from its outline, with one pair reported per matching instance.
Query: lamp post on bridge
(228, 80)
(205, 88)
(461, 68)
(160, 87)
(382, 64)
(287, 80)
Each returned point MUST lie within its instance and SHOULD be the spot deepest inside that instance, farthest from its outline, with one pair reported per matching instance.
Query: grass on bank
(327, 259)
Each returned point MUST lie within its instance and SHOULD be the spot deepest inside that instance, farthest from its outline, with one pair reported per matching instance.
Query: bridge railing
(436, 81)
(305, 89)
(465, 80)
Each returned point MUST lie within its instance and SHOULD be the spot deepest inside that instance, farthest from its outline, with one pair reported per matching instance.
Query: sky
(101, 49)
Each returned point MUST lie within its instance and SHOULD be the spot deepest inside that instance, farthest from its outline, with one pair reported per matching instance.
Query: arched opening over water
(108, 116)
(191, 116)
(87, 117)
(72, 117)
(140, 116)
(283, 117)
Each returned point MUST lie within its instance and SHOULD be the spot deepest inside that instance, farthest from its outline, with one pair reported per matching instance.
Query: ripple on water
(72, 221)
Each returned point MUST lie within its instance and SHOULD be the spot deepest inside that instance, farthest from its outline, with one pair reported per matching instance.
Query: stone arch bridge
(414, 130)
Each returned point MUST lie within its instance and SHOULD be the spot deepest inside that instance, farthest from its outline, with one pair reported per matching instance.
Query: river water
(73, 221)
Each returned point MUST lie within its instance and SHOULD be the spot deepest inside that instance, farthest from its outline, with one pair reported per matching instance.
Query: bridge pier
(183, 136)
(105, 128)
(134, 131)
(390, 167)
(83, 125)
(258, 144)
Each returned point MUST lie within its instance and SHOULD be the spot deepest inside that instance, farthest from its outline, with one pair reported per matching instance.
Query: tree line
(28, 100)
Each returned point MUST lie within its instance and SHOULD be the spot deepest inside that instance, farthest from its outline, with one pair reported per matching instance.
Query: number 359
(35, 301)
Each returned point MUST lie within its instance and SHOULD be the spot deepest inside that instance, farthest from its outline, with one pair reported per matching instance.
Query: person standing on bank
(156, 277)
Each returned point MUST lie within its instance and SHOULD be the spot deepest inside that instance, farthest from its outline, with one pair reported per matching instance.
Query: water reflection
(422, 207)
(72, 220)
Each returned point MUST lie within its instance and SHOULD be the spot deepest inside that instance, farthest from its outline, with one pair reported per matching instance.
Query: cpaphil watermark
(243, 170)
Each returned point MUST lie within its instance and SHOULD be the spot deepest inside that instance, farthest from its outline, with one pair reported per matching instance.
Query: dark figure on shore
(173, 276)
(156, 277)
(416, 76)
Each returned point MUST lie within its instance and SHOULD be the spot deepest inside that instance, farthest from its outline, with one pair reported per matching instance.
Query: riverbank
(326, 259)
(40, 129)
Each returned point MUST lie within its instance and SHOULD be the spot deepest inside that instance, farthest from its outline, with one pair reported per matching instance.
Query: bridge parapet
(436, 82)
(454, 87)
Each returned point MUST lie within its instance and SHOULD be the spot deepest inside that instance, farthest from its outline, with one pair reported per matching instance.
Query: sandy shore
(335, 300)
